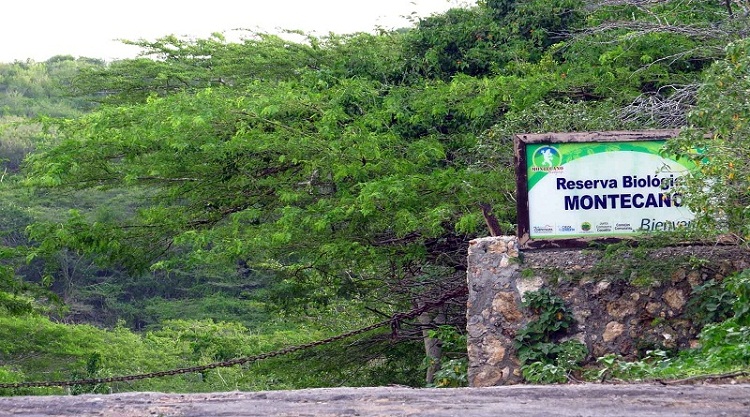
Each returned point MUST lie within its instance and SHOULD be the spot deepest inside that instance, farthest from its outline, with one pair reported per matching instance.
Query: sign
(598, 185)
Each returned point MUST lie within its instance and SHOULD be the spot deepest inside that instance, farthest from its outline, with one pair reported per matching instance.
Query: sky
(40, 29)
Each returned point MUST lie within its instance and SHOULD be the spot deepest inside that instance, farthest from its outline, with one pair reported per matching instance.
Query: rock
(674, 298)
(504, 261)
(600, 286)
(487, 378)
(694, 278)
(653, 308)
(476, 330)
(495, 351)
(505, 304)
(670, 341)
(621, 308)
(498, 246)
(524, 285)
(580, 314)
(679, 275)
(612, 331)
(473, 351)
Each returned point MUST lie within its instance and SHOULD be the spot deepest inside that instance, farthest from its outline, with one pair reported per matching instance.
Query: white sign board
(602, 189)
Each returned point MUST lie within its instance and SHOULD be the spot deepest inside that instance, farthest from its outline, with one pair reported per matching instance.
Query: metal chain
(394, 322)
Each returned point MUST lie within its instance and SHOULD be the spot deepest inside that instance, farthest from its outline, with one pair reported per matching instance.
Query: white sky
(40, 29)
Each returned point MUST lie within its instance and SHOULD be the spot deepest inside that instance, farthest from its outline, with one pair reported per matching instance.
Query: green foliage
(17, 138)
(726, 345)
(545, 23)
(552, 318)
(461, 41)
(717, 142)
(362, 363)
(171, 64)
(93, 366)
(217, 307)
(452, 341)
(636, 56)
(30, 89)
(263, 173)
(19, 295)
(482, 41)
(454, 364)
(453, 373)
(614, 367)
(79, 351)
(739, 284)
(247, 180)
(710, 302)
(543, 358)
(52, 351)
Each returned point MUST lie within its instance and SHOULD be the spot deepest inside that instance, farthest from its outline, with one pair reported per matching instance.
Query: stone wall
(618, 309)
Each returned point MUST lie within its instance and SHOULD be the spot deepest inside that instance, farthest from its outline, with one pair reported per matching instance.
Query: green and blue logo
(547, 158)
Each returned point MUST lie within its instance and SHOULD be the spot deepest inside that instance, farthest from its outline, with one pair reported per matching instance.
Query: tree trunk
(489, 217)
(433, 347)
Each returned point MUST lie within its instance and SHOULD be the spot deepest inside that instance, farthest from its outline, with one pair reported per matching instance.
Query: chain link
(394, 322)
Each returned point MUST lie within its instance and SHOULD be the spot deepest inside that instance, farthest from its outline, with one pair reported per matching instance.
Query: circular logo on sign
(547, 157)
(585, 226)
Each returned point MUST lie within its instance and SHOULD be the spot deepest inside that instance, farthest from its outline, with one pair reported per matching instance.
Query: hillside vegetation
(213, 199)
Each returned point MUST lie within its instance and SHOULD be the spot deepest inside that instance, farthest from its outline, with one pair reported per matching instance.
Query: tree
(171, 64)
(717, 140)
(341, 183)
(354, 167)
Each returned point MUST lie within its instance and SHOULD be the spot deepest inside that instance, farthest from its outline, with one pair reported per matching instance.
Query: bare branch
(640, 28)
(661, 109)
(601, 3)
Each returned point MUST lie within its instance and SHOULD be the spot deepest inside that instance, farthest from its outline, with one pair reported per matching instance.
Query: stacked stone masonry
(613, 314)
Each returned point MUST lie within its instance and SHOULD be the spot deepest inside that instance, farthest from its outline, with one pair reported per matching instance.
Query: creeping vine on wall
(544, 359)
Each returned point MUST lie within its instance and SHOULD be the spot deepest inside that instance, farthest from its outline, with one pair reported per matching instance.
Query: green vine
(543, 358)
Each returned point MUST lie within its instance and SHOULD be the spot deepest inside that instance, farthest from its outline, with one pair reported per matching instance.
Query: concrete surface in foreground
(517, 401)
